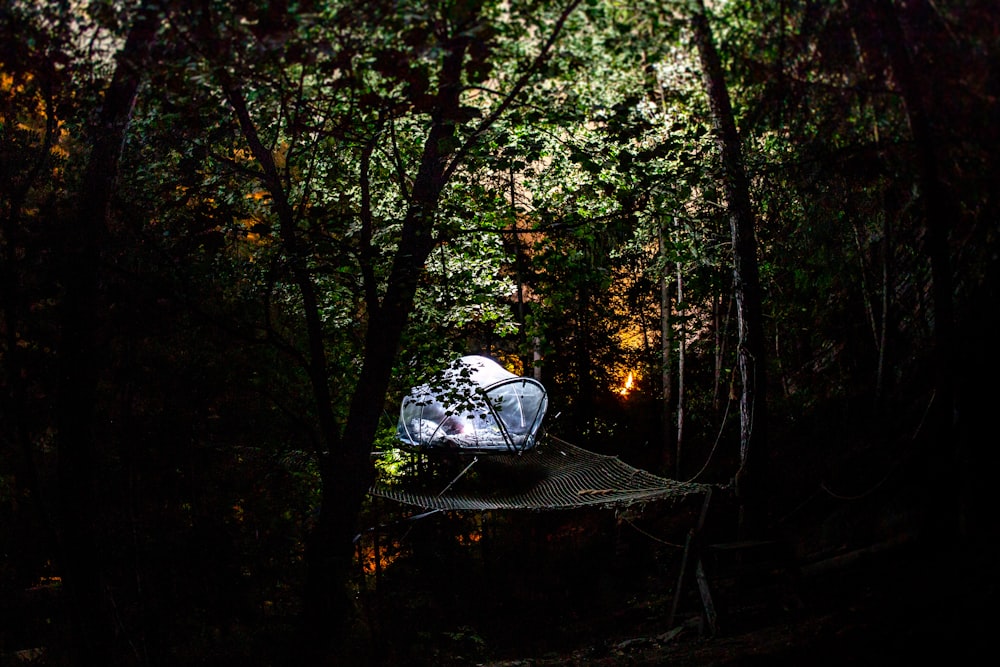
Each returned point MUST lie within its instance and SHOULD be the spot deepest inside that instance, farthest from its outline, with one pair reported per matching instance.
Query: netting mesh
(556, 476)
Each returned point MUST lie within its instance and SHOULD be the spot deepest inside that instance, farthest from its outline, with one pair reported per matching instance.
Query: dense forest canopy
(235, 234)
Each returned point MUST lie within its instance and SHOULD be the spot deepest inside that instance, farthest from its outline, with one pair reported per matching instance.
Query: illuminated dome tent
(473, 405)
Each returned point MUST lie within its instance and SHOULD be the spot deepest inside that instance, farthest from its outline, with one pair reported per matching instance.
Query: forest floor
(883, 609)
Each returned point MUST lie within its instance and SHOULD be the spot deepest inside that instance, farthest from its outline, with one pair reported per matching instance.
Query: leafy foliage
(289, 165)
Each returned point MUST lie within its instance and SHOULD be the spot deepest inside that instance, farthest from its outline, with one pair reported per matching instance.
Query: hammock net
(477, 425)
(554, 476)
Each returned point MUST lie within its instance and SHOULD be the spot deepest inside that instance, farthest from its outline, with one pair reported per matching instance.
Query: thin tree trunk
(938, 207)
(721, 336)
(536, 357)
(681, 352)
(750, 478)
(886, 303)
(581, 354)
(323, 607)
(527, 356)
(947, 454)
(666, 364)
(869, 59)
(879, 28)
(717, 345)
(80, 351)
(15, 303)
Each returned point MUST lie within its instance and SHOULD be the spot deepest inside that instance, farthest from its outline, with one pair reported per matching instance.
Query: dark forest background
(751, 244)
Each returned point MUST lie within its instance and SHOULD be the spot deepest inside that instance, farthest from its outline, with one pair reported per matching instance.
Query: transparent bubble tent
(473, 405)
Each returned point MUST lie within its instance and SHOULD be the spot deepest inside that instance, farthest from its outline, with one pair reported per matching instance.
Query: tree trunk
(750, 478)
(347, 480)
(345, 465)
(879, 28)
(585, 392)
(80, 351)
(345, 487)
(681, 354)
(720, 328)
(666, 364)
(872, 64)
(525, 351)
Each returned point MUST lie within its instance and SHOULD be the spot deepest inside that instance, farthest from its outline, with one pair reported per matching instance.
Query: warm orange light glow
(374, 559)
(471, 538)
(627, 387)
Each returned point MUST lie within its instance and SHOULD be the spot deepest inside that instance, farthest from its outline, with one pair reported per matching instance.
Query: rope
(412, 517)
(445, 489)
(458, 476)
(422, 515)
(650, 535)
(718, 439)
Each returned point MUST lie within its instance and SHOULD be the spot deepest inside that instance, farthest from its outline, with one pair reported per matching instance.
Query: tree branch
(519, 85)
